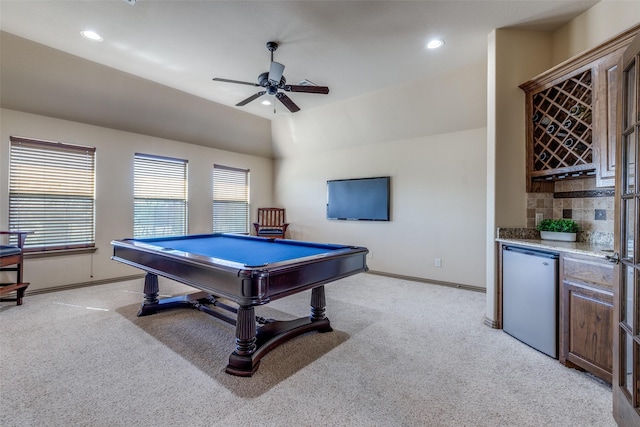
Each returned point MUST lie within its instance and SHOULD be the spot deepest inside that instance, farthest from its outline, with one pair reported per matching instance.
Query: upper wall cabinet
(571, 118)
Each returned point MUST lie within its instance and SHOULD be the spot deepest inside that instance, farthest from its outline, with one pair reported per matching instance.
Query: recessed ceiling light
(434, 44)
(266, 102)
(91, 35)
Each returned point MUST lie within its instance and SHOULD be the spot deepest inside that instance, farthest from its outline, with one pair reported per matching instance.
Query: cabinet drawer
(588, 270)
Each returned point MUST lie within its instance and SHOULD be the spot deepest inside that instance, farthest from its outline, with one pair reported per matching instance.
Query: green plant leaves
(559, 225)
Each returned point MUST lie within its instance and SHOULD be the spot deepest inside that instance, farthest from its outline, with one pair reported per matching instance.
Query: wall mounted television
(362, 199)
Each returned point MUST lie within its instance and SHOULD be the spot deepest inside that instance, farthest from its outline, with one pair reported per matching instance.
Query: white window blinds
(230, 200)
(160, 196)
(52, 193)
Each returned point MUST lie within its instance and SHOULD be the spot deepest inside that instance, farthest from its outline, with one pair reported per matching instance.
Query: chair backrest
(271, 217)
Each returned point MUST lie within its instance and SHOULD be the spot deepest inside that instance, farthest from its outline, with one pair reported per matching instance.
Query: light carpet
(402, 353)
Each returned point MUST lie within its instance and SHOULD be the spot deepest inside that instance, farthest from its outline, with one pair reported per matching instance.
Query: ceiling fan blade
(235, 81)
(308, 89)
(251, 98)
(275, 72)
(287, 102)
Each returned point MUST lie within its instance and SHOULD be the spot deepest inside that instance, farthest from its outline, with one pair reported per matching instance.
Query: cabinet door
(587, 329)
(606, 79)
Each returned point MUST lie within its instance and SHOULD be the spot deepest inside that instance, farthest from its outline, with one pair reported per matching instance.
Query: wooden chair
(271, 223)
(11, 259)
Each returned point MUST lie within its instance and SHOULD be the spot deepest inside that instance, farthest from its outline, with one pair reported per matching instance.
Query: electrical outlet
(539, 217)
(438, 262)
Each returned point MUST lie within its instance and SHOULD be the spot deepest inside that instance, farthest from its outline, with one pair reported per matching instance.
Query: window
(230, 200)
(52, 193)
(160, 196)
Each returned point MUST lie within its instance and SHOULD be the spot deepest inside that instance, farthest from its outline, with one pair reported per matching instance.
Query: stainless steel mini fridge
(530, 297)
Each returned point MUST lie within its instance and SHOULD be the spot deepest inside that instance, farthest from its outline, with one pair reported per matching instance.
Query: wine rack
(562, 126)
(571, 119)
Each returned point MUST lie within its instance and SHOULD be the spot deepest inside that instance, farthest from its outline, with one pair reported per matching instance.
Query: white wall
(430, 137)
(114, 190)
(603, 21)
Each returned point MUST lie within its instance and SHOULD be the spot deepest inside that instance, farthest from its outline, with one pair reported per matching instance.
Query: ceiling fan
(274, 83)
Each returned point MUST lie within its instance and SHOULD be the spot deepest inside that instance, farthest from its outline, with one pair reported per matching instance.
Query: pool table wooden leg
(253, 343)
(243, 362)
(151, 291)
(318, 303)
(246, 331)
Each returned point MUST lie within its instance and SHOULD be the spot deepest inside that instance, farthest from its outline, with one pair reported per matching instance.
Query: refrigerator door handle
(533, 252)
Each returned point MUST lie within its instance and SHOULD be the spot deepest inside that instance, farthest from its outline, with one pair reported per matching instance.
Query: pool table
(235, 273)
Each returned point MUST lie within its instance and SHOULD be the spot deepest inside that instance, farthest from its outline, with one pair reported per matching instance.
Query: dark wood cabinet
(571, 118)
(586, 314)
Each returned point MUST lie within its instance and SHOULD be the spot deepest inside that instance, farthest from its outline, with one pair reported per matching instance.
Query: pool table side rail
(222, 280)
(147, 245)
(315, 274)
(151, 240)
(144, 246)
(245, 286)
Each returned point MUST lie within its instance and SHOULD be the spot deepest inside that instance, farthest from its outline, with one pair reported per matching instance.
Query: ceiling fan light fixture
(91, 35)
(435, 44)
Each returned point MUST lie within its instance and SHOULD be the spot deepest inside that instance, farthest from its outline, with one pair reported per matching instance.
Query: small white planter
(558, 236)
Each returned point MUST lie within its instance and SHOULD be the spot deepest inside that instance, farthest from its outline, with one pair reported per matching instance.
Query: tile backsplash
(579, 199)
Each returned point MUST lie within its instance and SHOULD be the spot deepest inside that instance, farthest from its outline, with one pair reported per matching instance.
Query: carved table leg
(246, 331)
(241, 361)
(151, 291)
(318, 303)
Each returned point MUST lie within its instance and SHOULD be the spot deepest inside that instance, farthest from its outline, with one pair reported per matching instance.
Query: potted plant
(563, 230)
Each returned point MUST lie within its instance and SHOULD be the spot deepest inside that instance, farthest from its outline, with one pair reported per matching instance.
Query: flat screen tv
(362, 199)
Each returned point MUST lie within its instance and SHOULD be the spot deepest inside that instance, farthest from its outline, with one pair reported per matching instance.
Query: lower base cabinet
(586, 340)
(586, 315)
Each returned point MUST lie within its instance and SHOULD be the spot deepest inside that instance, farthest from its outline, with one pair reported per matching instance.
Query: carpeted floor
(401, 354)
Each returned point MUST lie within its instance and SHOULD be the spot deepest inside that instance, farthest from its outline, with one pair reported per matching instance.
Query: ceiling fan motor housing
(263, 80)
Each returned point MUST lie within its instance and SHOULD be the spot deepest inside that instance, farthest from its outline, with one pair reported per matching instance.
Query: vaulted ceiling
(158, 58)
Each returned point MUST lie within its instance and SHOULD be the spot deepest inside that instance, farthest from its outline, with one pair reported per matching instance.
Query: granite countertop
(598, 246)
(551, 245)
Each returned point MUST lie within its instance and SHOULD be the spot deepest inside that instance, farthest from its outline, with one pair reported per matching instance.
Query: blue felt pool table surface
(250, 251)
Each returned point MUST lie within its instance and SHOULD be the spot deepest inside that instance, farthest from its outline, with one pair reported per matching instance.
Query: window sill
(59, 252)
